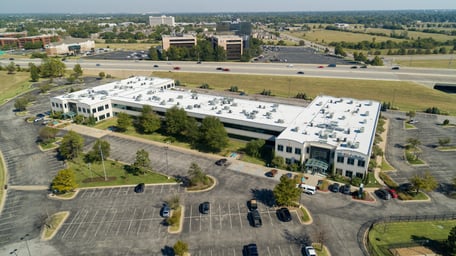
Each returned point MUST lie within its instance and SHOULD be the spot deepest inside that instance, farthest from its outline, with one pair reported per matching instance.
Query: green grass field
(427, 63)
(13, 85)
(328, 36)
(405, 95)
(383, 235)
(127, 47)
(116, 173)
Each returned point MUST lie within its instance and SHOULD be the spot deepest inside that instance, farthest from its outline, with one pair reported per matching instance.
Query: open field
(412, 34)
(427, 63)
(135, 46)
(337, 36)
(383, 235)
(13, 85)
(405, 95)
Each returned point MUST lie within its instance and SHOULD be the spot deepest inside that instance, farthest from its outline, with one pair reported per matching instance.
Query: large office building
(330, 134)
(22, 41)
(70, 49)
(187, 41)
(233, 45)
(161, 20)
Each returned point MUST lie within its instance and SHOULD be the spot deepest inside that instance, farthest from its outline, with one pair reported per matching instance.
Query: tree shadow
(434, 245)
(265, 196)
(301, 238)
(183, 180)
(167, 251)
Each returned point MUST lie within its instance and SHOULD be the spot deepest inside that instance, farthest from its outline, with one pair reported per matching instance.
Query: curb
(181, 222)
(204, 190)
(56, 230)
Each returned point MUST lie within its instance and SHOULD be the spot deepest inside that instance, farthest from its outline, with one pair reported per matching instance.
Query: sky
(186, 6)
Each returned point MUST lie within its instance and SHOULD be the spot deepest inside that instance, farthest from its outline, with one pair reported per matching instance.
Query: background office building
(233, 45)
(187, 41)
(329, 134)
(161, 20)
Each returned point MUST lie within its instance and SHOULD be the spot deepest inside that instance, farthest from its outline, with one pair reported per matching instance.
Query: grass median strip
(53, 225)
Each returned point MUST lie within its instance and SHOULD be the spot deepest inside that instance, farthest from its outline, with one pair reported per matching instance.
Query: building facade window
(349, 174)
(340, 159)
(351, 161)
(100, 108)
(79, 109)
(307, 150)
(361, 163)
(359, 175)
(289, 149)
(53, 104)
(287, 160)
(297, 151)
(94, 110)
(106, 106)
(108, 115)
(279, 147)
(338, 171)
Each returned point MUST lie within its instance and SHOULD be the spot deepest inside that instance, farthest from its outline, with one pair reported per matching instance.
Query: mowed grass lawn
(427, 63)
(382, 235)
(116, 173)
(406, 95)
(127, 47)
(13, 84)
(337, 36)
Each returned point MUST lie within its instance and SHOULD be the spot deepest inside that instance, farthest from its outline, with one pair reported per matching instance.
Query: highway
(425, 76)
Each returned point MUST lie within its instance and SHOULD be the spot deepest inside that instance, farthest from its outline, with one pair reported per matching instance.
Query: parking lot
(292, 54)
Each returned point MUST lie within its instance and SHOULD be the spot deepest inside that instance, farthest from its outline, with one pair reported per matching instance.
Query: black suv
(255, 218)
(346, 189)
(335, 187)
(204, 208)
(250, 250)
(284, 214)
(139, 188)
(222, 162)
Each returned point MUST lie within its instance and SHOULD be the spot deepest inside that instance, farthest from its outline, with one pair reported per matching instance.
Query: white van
(308, 189)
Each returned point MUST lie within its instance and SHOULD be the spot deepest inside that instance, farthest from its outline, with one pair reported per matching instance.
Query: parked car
(272, 173)
(335, 187)
(222, 162)
(346, 189)
(383, 194)
(310, 251)
(166, 211)
(250, 250)
(364, 66)
(284, 214)
(198, 62)
(252, 204)
(393, 193)
(255, 218)
(406, 186)
(139, 188)
(310, 190)
(97, 65)
(204, 207)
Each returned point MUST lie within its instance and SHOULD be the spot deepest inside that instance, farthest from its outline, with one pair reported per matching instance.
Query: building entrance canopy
(316, 165)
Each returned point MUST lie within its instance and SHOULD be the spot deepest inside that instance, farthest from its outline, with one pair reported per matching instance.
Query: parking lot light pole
(166, 153)
(14, 252)
(26, 243)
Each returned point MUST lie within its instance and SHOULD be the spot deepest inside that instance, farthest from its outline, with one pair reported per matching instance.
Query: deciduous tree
(77, 70)
(101, 149)
(213, 134)
(149, 121)
(64, 181)
(34, 72)
(254, 147)
(286, 193)
(71, 145)
(123, 121)
(46, 133)
(175, 120)
(142, 161)
(180, 248)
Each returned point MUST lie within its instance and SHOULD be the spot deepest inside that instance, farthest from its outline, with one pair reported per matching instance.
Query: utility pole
(102, 161)
(26, 243)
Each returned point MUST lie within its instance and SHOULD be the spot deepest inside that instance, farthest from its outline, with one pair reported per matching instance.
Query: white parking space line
(80, 223)
(112, 221)
(190, 219)
(239, 211)
(201, 220)
(83, 194)
(161, 189)
(270, 218)
(220, 214)
(90, 224)
(118, 191)
(109, 193)
(280, 250)
(229, 212)
(131, 221)
(269, 252)
(140, 221)
(210, 220)
(78, 213)
(102, 222)
(291, 251)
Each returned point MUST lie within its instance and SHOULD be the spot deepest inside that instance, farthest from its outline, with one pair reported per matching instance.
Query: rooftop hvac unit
(163, 103)
(219, 112)
(180, 97)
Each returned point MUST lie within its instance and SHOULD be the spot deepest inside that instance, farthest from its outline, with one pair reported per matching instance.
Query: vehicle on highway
(346, 189)
(393, 193)
(321, 67)
(383, 194)
(272, 173)
(139, 188)
(219, 68)
(332, 65)
(222, 162)
(199, 62)
(11, 58)
(354, 67)
(364, 66)
(98, 64)
(204, 207)
(289, 65)
(310, 251)
(156, 66)
(284, 214)
(335, 187)
(255, 218)
(250, 250)
(252, 204)
(300, 73)
(165, 211)
(395, 68)
(176, 68)
(226, 69)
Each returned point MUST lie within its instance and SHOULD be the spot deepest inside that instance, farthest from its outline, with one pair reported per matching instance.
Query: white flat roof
(341, 122)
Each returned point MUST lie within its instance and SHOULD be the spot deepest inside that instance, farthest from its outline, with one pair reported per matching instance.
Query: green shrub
(388, 181)
(356, 181)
